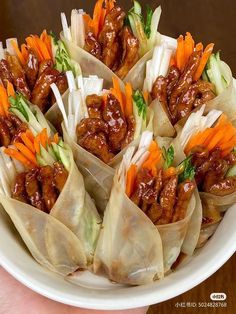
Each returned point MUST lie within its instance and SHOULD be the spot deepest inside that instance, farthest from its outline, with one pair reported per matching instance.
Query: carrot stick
(18, 52)
(129, 99)
(172, 61)
(188, 46)
(206, 55)
(180, 61)
(97, 16)
(56, 138)
(217, 136)
(4, 100)
(44, 138)
(18, 156)
(10, 89)
(27, 142)
(26, 152)
(130, 179)
(199, 47)
(24, 52)
(116, 91)
(44, 37)
(32, 44)
(43, 49)
(37, 144)
(146, 96)
(30, 135)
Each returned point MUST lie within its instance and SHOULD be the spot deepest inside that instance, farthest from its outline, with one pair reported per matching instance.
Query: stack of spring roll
(117, 144)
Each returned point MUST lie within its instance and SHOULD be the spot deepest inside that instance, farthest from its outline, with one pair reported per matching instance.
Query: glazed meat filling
(178, 93)
(116, 46)
(107, 131)
(162, 200)
(211, 171)
(33, 80)
(11, 128)
(40, 187)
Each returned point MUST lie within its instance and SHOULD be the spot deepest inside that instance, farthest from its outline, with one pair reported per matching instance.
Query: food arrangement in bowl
(117, 147)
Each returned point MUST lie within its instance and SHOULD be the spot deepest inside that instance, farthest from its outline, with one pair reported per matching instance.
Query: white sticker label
(218, 296)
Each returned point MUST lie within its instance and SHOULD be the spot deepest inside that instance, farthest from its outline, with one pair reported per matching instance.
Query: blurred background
(208, 21)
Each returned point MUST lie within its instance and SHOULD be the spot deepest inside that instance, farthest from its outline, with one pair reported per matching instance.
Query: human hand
(16, 298)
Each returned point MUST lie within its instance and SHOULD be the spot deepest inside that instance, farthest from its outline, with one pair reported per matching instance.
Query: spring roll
(99, 125)
(42, 188)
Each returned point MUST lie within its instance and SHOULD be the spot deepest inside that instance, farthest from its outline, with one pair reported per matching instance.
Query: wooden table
(208, 21)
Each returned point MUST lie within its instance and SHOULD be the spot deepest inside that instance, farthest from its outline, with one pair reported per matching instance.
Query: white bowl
(92, 292)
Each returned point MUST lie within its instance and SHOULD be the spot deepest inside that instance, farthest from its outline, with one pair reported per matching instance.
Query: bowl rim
(134, 299)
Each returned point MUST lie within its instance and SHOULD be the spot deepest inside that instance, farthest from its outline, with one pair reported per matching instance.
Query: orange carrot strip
(129, 99)
(199, 47)
(97, 16)
(217, 136)
(229, 145)
(33, 45)
(188, 46)
(10, 89)
(180, 61)
(30, 135)
(146, 96)
(26, 152)
(56, 138)
(44, 138)
(27, 142)
(4, 100)
(130, 179)
(37, 144)
(110, 5)
(18, 52)
(47, 41)
(118, 92)
(24, 52)
(18, 156)
(206, 55)
(43, 49)
(172, 61)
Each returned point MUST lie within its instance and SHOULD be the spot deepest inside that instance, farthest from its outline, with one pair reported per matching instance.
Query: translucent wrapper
(206, 233)
(51, 243)
(222, 202)
(161, 122)
(90, 65)
(173, 236)
(226, 101)
(97, 175)
(194, 227)
(75, 209)
(136, 75)
(129, 248)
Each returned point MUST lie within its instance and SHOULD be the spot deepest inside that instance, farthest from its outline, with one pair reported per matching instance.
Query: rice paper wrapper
(206, 233)
(98, 176)
(194, 227)
(51, 243)
(161, 122)
(76, 210)
(221, 202)
(89, 64)
(137, 74)
(129, 248)
(173, 236)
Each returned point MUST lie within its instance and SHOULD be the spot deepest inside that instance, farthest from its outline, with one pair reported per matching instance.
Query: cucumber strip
(49, 160)
(56, 151)
(154, 26)
(231, 172)
(64, 158)
(137, 8)
(40, 160)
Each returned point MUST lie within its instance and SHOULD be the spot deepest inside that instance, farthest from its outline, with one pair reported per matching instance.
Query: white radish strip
(92, 85)
(143, 158)
(74, 26)
(156, 62)
(77, 104)
(2, 53)
(146, 139)
(60, 103)
(71, 127)
(11, 170)
(65, 27)
(70, 108)
(147, 86)
(138, 155)
(70, 80)
(9, 46)
(212, 116)
(81, 29)
(165, 62)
